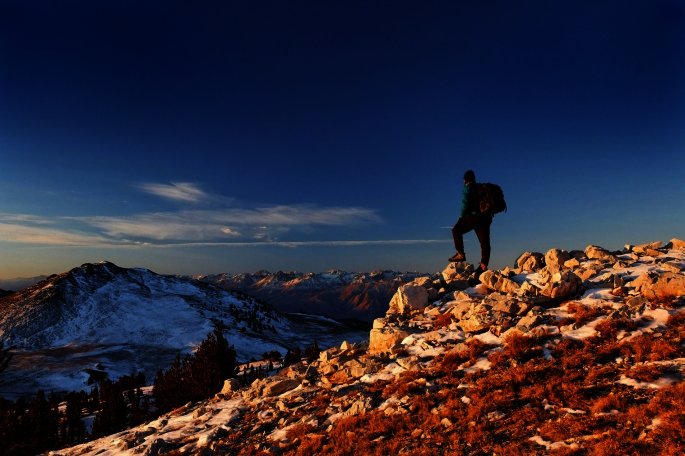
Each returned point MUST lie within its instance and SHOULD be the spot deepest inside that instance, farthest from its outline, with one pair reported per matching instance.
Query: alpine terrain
(336, 294)
(568, 352)
(102, 320)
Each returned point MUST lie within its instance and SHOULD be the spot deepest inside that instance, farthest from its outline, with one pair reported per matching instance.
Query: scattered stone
(666, 286)
(379, 323)
(528, 322)
(530, 261)
(359, 407)
(408, 363)
(671, 267)
(643, 280)
(496, 281)
(477, 322)
(653, 253)
(598, 253)
(507, 272)
(572, 263)
(407, 298)
(589, 270)
(555, 259)
(427, 283)
(355, 368)
(643, 248)
(274, 386)
(528, 289)
(563, 284)
(383, 340)
(231, 385)
(457, 272)
(460, 309)
(677, 244)
(508, 306)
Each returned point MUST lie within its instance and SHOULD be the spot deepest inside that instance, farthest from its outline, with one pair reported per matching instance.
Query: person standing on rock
(471, 218)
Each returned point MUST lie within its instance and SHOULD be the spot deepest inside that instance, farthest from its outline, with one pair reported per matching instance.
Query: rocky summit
(566, 352)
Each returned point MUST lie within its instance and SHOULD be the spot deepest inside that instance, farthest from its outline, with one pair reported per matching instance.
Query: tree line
(49, 422)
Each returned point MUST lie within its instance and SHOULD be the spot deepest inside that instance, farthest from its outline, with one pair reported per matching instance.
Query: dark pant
(481, 224)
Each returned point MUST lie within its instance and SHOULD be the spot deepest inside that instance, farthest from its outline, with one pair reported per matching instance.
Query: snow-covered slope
(103, 317)
(337, 294)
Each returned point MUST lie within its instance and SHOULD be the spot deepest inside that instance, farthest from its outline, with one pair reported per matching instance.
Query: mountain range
(103, 319)
(336, 294)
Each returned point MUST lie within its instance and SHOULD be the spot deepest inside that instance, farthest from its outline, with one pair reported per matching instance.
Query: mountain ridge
(566, 353)
(337, 294)
(100, 314)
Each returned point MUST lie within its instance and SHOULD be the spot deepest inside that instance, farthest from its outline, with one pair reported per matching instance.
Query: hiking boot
(457, 257)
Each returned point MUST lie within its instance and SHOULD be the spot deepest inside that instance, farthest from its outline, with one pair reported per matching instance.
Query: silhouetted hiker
(471, 218)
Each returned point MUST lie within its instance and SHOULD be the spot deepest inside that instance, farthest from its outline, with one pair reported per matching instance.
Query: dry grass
(574, 397)
(443, 320)
(582, 314)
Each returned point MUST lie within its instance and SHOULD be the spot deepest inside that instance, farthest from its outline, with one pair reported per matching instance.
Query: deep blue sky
(196, 137)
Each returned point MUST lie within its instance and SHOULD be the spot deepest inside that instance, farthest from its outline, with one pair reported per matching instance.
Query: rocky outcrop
(456, 275)
(497, 282)
(562, 285)
(530, 261)
(555, 259)
(676, 244)
(271, 386)
(408, 298)
(385, 339)
(667, 285)
(594, 252)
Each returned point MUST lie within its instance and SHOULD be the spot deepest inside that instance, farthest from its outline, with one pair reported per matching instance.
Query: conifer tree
(113, 413)
(42, 419)
(198, 376)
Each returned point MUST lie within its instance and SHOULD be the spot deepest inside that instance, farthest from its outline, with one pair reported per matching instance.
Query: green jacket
(469, 200)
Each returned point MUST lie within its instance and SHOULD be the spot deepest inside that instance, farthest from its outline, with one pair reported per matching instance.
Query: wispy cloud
(207, 225)
(177, 191)
(14, 232)
(190, 229)
(295, 244)
(253, 226)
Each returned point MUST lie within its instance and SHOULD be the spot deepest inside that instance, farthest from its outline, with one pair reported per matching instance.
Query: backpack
(491, 199)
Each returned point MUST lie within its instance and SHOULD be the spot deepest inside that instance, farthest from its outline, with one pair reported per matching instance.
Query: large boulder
(271, 386)
(457, 274)
(383, 340)
(644, 248)
(407, 298)
(477, 322)
(555, 259)
(427, 283)
(497, 282)
(231, 385)
(595, 252)
(530, 261)
(667, 285)
(562, 285)
(677, 244)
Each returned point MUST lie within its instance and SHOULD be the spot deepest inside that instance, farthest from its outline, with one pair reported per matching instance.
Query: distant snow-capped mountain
(117, 320)
(336, 294)
(20, 283)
